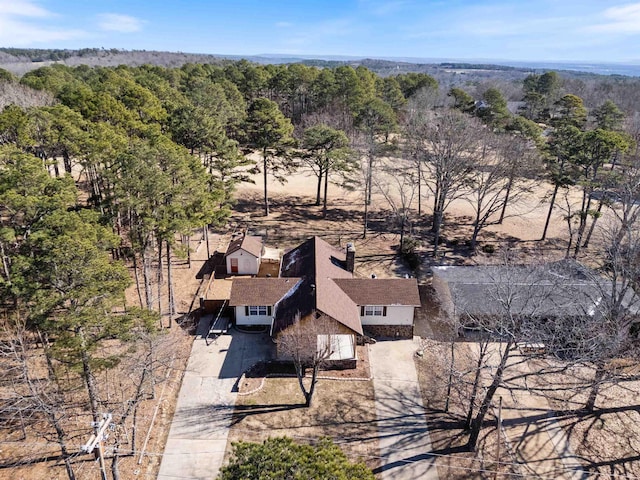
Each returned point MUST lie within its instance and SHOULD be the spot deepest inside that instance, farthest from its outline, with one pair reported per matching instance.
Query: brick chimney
(351, 257)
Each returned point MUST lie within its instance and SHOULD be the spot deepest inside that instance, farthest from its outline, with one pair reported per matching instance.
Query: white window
(374, 311)
(258, 310)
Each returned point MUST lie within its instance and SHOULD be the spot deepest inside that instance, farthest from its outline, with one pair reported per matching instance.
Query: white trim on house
(258, 310)
(340, 347)
(375, 311)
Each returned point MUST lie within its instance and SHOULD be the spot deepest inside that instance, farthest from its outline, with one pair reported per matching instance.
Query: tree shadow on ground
(188, 322)
(241, 412)
(342, 410)
(541, 440)
(429, 320)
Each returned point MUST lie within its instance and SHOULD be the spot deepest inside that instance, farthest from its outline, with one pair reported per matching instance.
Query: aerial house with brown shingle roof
(315, 287)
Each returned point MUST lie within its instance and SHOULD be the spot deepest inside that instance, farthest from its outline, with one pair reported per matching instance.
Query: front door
(234, 265)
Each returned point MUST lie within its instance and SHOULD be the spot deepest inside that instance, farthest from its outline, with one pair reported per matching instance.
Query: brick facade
(388, 331)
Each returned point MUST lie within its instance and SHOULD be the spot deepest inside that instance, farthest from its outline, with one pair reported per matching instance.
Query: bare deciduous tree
(34, 397)
(494, 181)
(308, 343)
(449, 141)
(504, 307)
(137, 377)
(398, 187)
(617, 303)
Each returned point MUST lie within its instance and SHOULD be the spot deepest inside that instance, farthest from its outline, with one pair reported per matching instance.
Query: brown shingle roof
(335, 303)
(314, 279)
(318, 263)
(248, 243)
(315, 257)
(260, 291)
(381, 291)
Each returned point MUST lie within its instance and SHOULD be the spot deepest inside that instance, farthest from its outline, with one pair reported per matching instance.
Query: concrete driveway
(402, 426)
(198, 435)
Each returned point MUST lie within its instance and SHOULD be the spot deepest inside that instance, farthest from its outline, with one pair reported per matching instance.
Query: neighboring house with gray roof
(549, 291)
(316, 282)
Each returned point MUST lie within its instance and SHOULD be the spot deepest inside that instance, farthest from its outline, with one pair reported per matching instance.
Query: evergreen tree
(326, 153)
(269, 131)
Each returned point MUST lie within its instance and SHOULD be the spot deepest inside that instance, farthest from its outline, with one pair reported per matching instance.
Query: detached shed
(244, 255)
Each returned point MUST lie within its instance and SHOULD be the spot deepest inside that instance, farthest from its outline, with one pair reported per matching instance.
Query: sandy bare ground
(342, 410)
(294, 216)
(545, 434)
(606, 440)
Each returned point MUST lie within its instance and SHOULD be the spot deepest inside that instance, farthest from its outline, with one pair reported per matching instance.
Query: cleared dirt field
(294, 216)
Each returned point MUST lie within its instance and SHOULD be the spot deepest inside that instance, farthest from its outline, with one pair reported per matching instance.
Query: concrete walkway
(198, 435)
(402, 427)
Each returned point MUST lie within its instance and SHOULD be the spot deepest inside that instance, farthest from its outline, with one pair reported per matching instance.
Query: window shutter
(362, 311)
(246, 310)
(269, 310)
(384, 311)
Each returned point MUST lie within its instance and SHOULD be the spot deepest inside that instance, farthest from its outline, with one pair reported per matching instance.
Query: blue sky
(534, 30)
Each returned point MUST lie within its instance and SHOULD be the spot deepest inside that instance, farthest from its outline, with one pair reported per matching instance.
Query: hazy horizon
(470, 30)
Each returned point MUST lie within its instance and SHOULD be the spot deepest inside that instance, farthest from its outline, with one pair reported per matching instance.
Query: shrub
(489, 248)
(282, 458)
(408, 252)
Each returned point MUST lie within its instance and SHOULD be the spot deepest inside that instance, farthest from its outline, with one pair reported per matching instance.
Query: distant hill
(22, 60)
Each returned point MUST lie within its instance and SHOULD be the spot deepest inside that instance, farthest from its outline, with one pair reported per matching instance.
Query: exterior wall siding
(396, 315)
(246, 320)
(247, 263)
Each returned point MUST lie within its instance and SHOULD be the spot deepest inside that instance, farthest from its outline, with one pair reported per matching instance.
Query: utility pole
(499, 438)
(446, 405)
(95, 442)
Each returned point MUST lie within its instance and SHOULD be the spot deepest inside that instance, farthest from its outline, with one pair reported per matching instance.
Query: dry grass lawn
(445, 428)
(606, 440)
(341, 410)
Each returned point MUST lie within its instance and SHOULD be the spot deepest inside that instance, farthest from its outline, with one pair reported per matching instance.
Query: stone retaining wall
(388, 331)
